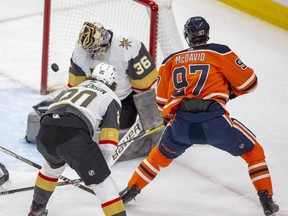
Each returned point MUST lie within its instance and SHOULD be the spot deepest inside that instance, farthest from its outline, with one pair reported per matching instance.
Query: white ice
(204, 180)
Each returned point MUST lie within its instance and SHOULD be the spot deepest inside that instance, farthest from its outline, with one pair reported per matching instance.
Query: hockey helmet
(94, 38)
(196, 30)
(105, 73)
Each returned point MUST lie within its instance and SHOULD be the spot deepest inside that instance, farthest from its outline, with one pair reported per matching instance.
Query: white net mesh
(122, 16)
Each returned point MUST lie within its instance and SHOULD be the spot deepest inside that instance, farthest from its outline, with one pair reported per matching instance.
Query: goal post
(151, 22)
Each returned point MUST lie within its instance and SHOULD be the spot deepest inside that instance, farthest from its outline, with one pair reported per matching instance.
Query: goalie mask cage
(151, 22)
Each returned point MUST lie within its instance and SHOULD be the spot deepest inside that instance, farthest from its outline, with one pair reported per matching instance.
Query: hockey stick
(6, 192)
(76, 184)
(16, 190)
(143, 134)
(135, 132)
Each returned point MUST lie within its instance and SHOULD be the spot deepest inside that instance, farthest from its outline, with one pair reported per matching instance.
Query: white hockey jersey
(99, 107)
(135, 67)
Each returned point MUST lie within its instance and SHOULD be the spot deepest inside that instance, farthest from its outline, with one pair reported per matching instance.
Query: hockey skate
(269, 206)
(129, 193)
(38, 209)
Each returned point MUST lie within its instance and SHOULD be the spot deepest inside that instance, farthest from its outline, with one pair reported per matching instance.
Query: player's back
(199, 70)
(91, 98)
(204, 71)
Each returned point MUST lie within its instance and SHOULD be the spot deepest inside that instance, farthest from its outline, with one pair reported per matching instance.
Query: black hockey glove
(42, 107)
(232, 95)
(165, 121)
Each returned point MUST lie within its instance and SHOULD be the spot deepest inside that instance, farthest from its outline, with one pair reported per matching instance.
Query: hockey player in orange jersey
(193, 88)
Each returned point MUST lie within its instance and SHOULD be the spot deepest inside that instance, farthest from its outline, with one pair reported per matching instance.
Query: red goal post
(151, 22)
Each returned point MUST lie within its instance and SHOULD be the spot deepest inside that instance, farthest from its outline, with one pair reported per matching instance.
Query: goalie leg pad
(33, 125)
(147, 109)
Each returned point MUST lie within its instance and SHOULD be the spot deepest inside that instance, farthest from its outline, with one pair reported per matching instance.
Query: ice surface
(204, 180)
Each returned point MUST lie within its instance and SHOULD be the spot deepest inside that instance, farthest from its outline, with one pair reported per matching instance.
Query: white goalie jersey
(134, 65)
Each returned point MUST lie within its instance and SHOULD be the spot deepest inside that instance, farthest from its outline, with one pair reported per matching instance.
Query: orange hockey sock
(149, 168)
(258, 169)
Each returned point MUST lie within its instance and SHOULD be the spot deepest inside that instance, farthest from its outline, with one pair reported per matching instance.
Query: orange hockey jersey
(208, 71)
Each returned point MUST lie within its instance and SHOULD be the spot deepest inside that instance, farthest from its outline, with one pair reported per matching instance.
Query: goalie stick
(135, 132)
(76, 184)
(143, 134)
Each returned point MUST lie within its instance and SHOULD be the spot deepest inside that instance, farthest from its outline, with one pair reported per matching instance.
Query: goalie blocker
(150, 117)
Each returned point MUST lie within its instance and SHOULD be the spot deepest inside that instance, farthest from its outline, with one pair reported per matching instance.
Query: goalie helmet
(94, 38)
(105, 73)
(196, 30)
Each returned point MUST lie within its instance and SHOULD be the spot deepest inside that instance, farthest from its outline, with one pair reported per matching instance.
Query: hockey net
(151, 22)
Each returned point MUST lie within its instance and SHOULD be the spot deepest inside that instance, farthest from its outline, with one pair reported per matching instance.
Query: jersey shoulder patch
(124, 47)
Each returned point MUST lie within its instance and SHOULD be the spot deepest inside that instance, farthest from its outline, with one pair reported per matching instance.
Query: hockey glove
(42, 107)
(165, 121)
(232, 95)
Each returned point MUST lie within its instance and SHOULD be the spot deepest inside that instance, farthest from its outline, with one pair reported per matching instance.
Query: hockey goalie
(137, 74)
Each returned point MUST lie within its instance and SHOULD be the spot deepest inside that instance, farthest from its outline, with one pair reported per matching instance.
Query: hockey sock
(44, 187)
(107, 192)
(149, 168)
(258, 169)
(46, 182)
(114, 207)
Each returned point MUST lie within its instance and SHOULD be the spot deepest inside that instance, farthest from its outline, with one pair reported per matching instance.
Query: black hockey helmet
(196, 30)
